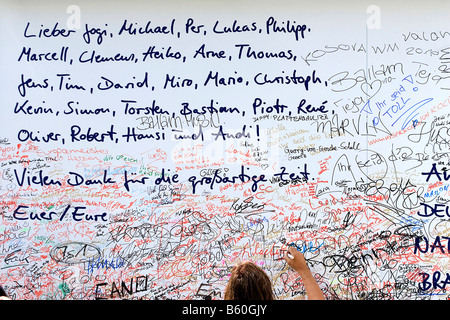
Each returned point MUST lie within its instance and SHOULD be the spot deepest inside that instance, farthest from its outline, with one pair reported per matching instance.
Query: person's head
(248, 282)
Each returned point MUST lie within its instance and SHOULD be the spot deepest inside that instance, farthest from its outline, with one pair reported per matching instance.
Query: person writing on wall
(250, 282)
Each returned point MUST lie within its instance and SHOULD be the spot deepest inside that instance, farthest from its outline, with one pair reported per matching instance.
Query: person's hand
(297, 262)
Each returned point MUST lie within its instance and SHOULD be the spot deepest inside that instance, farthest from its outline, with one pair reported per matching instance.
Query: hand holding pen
(296, 260)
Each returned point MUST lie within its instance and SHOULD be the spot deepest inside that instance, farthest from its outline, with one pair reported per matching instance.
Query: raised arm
(297, 262)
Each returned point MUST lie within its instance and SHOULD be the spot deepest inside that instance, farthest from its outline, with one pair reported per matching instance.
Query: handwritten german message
(144, 151)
